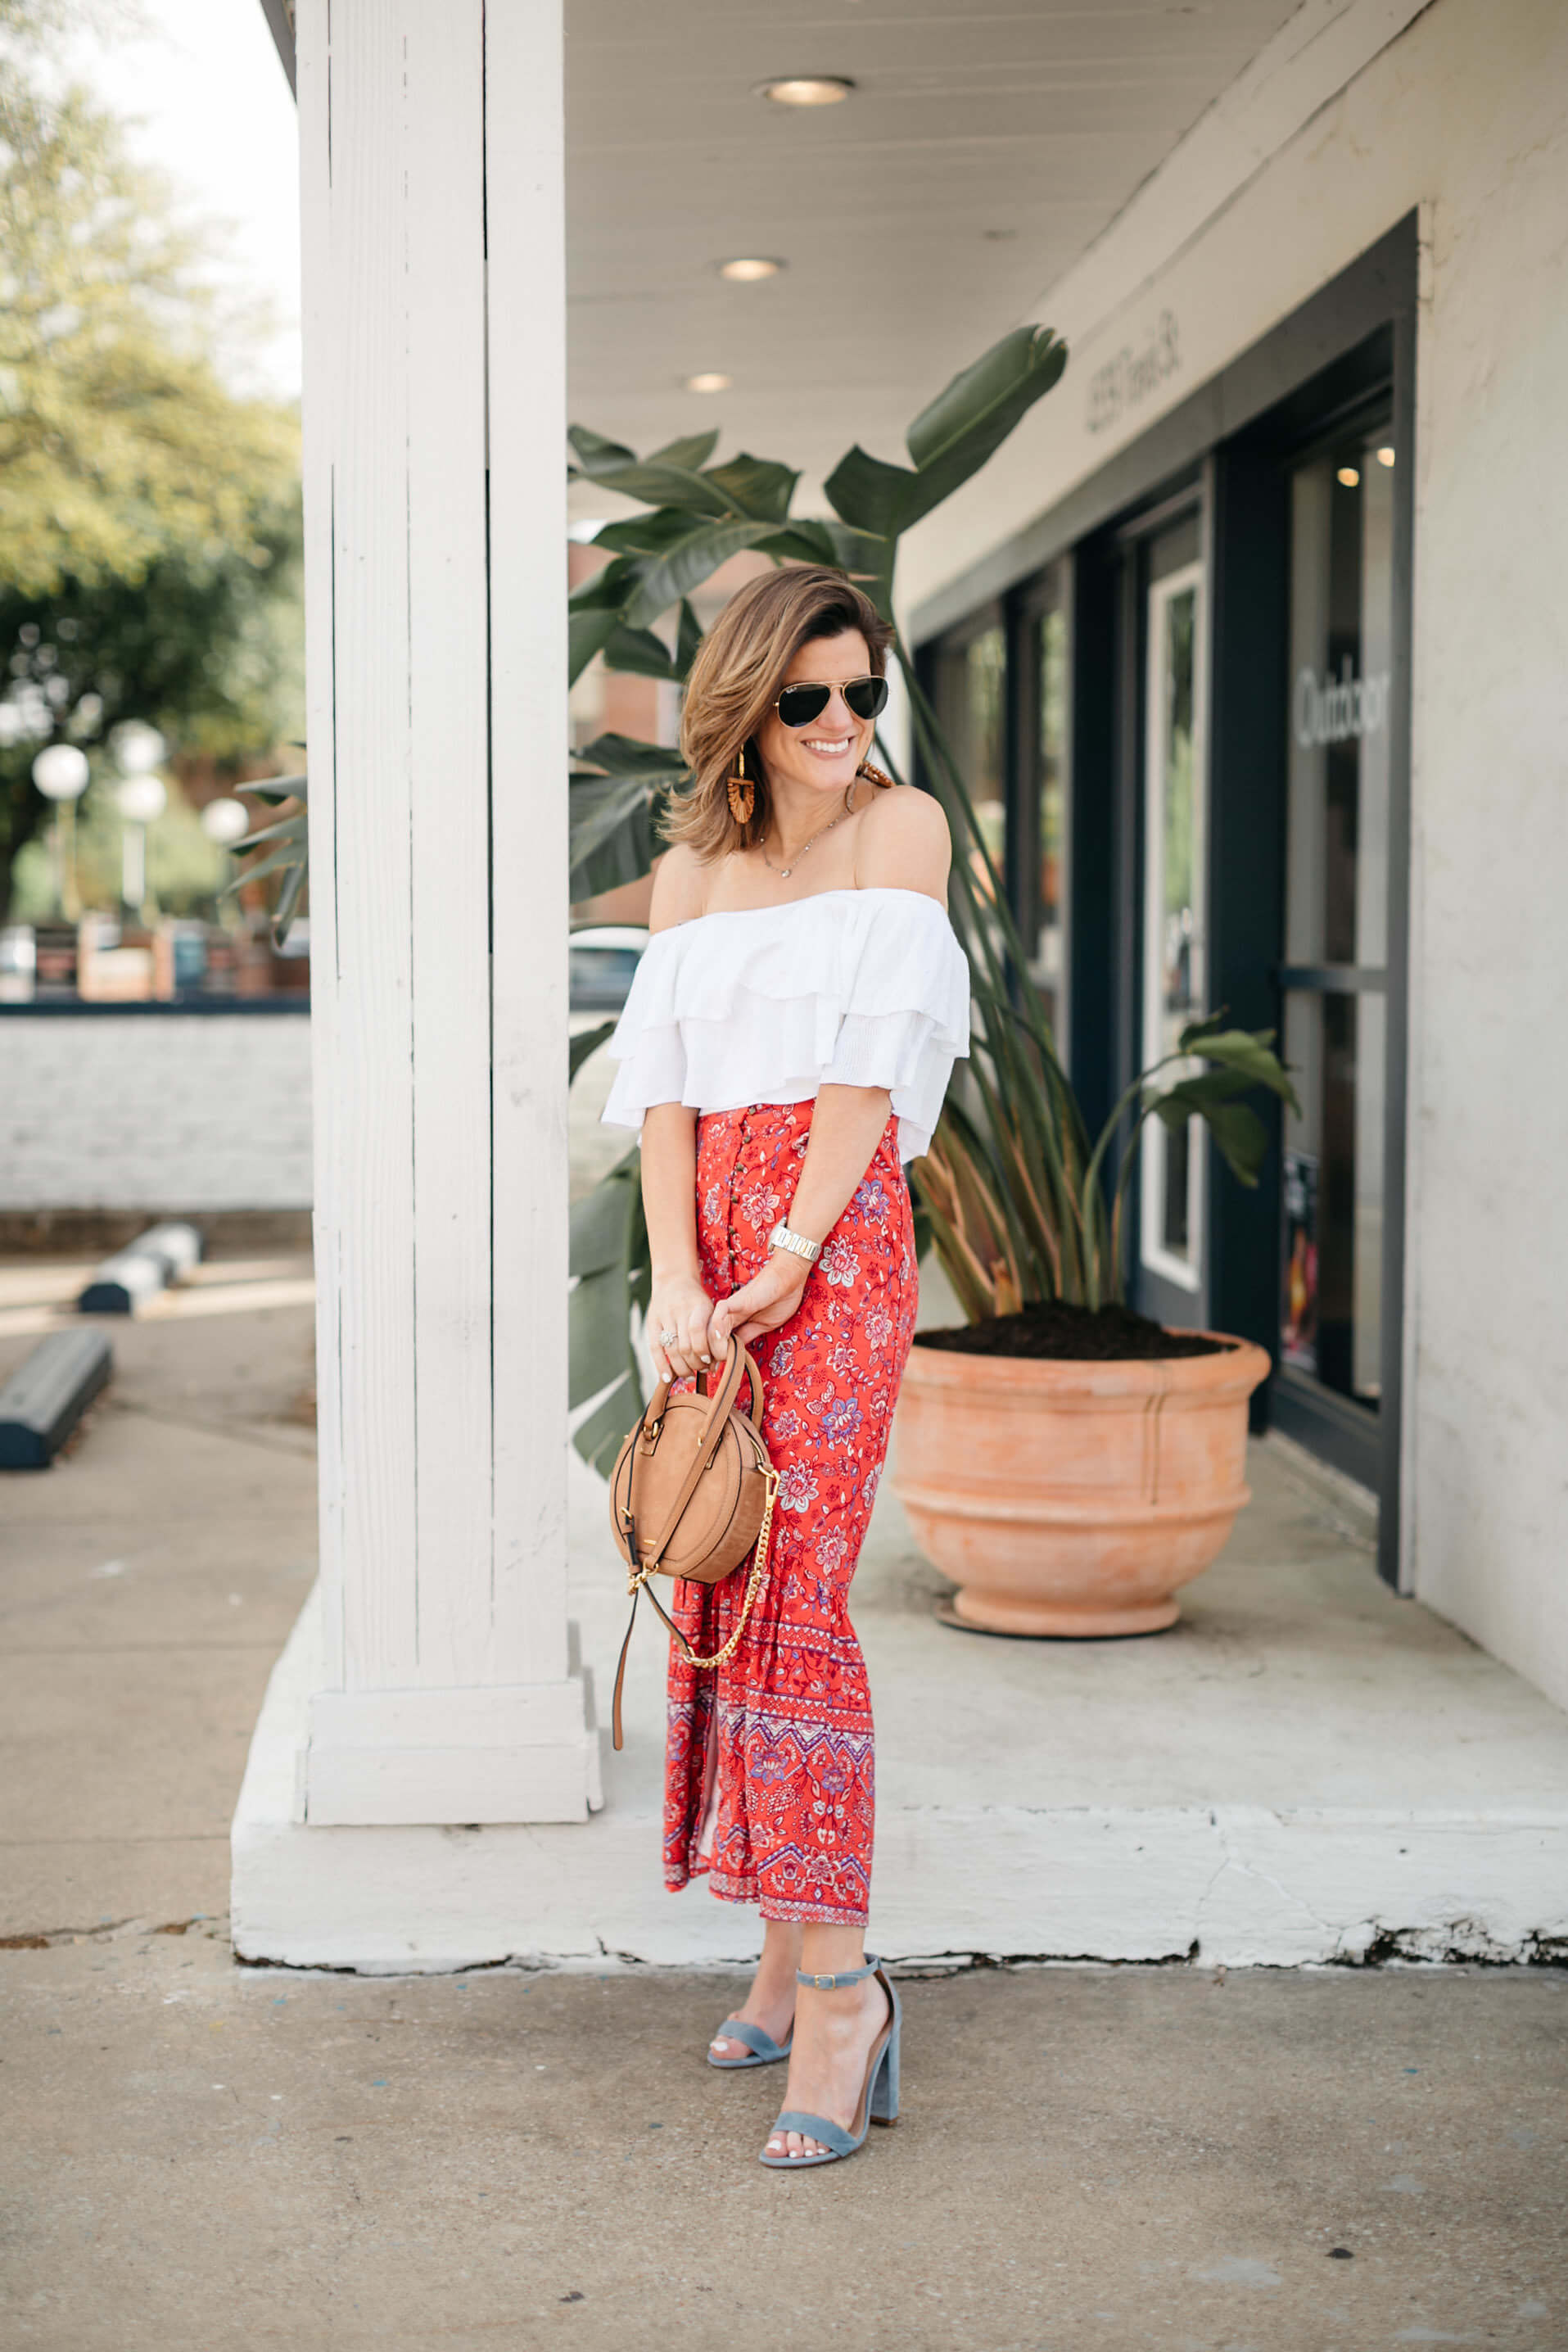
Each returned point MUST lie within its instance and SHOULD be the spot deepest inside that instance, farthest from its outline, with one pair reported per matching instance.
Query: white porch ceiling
(983, 150)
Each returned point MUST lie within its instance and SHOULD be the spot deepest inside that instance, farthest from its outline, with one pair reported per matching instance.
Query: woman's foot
(833, 2036)
(770, 2003)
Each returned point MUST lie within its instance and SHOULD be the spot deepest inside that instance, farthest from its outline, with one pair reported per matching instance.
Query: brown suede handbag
(690, 1494)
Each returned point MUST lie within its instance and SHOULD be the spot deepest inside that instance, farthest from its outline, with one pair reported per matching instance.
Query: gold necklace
(784, 872)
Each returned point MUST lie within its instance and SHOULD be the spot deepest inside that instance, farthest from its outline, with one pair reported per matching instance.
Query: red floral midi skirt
(770, 1772)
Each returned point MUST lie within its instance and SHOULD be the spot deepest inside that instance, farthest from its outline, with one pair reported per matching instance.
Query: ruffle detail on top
(765, 1004)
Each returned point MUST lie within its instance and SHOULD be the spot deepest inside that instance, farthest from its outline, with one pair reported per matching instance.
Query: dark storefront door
(1335, 973)
(1166, 822)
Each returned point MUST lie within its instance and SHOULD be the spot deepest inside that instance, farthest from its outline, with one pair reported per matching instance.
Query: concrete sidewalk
(202, 2153)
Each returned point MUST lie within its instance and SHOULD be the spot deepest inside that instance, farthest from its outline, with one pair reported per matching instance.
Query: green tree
(149, 529)
(206, 647)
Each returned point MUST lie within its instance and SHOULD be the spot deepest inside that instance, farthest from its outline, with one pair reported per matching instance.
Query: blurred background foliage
(149, 534)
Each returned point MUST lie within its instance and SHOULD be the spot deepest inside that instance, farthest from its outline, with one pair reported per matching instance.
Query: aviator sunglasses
(798, 705)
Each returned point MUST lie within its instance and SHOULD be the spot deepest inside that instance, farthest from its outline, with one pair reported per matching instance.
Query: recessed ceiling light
(806, 90)
(710, 380)
(748, 267)
(1386, 457)
(1348, 475)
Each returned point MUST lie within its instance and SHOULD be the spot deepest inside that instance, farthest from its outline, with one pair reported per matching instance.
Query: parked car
(602, 961)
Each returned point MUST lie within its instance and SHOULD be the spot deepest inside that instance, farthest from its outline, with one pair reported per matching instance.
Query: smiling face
(824, 755)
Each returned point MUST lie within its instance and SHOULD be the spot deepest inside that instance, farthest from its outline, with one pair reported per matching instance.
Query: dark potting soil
(1078, 1334)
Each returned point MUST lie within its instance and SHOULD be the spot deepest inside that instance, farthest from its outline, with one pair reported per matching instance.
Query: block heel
(878, 2102)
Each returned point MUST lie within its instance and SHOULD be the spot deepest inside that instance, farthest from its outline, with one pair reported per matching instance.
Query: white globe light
(226, 822)
(60, 773)
(140, 800)
(137, 749)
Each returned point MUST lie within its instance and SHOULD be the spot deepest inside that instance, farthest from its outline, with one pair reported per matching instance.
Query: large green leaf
(587, 633)
(870, 494)
(640, 652)
(658, 481)
(598, 1435)
(1238, 1133)
(608, 1255)
(596, 1226)
(965, 424)
(691, 453)
(606, 591)
(627, 755)
(611, 820)
(688, 637)
(1246, 1051)
(951, 439)
(615, 799)
(664, 580)
(598, 1333)
(286, 845)
(586, 1043)
(755, 486)
(644, 534)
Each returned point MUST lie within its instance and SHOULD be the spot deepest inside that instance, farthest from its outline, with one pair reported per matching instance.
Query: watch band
(782, 1238)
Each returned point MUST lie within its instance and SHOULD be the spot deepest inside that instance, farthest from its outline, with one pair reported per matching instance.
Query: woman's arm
(678, 1301)
(904, 845)
(845, 1127)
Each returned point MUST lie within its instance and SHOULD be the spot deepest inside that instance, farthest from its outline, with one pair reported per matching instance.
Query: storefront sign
(1333, 710)
(1132, 375)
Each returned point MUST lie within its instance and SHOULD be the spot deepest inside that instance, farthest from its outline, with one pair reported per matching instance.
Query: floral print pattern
(769, 1765)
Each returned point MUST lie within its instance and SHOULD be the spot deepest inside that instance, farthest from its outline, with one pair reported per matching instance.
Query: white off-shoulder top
(764, 1004)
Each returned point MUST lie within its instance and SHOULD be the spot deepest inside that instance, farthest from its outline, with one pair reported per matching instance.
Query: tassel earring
(742, 794)
(873, 775)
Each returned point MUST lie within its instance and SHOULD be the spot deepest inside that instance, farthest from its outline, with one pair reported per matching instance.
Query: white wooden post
(434, 312)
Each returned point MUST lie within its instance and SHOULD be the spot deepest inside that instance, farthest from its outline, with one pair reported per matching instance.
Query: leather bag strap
(759, 1569)
(738, 1361)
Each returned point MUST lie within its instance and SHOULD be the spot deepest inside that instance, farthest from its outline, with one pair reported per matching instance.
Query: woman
(785, 1046)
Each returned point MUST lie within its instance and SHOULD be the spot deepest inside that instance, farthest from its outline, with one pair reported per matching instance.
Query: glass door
(1042, 808)
(1335, 974)
(1172, 1172)
(969, 689)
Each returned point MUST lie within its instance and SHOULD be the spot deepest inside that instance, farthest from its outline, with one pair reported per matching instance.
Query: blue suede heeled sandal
(879, 2092)
(765, 2051)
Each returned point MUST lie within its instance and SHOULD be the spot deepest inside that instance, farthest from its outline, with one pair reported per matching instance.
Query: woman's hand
(678, 1303)
(769, 1298)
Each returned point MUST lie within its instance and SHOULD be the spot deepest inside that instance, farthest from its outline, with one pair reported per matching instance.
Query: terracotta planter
(1073, 1498)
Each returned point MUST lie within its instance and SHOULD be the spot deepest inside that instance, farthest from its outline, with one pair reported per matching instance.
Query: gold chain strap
(640, 1577)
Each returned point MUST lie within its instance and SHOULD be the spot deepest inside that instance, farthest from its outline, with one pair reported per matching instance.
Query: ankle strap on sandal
(844, 1977)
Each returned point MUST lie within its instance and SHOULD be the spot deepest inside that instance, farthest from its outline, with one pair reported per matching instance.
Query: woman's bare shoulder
(680, 887)
(904, 844)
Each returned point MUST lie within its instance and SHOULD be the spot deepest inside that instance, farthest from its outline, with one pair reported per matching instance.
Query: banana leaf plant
(285, 850)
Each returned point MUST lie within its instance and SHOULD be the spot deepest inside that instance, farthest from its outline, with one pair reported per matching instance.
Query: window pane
(1331, 1313)
(1173, 974)
(985, 680)
(1341, 602)
(971, 703)
(1048, 962)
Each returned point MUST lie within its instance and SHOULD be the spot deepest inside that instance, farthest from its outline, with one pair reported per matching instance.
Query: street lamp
(140, 800)
(60, 773)
(226, 822)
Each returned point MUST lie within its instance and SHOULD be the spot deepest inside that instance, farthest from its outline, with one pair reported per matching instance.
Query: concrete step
(1306, 1769)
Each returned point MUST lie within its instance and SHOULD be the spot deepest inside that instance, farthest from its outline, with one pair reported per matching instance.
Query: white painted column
(437, 750)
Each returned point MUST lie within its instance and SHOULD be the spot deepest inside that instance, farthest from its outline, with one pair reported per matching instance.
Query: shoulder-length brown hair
(736, 676)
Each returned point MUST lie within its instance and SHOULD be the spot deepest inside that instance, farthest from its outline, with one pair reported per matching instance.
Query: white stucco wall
(154, 1110)
(1352, 117)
